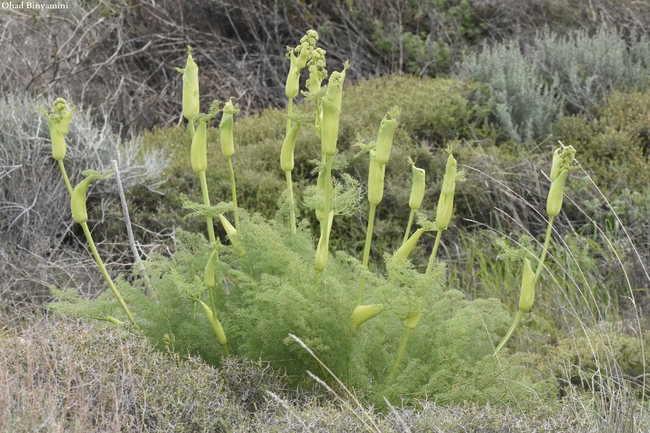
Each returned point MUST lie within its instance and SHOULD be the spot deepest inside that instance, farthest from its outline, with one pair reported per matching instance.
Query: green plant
(272, 281)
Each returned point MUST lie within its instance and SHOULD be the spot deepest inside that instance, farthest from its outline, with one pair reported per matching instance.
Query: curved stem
(289, 112)
(206, 201)
(366, 251)
(408, 227)
(65, 177)
(233, 187)
(520, 315)
(292, 210)
(547, 240)
(192, 131)
(107, 277)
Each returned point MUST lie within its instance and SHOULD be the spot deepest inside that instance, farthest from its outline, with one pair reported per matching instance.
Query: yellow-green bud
(198, 151)
(385, 139)
(209, 269)
(527, 287)
(225, 127)
(78, 201)
(417, 189)
(286, 154)
(375, 180)
(363, 313)
(556, 195)
(190, 87)
(405, 250)
(331, 106)
(216, 325)
(412, 321)
(317, 71)
(230, 230)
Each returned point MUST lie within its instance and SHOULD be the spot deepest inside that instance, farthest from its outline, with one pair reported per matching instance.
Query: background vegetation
(502, 80)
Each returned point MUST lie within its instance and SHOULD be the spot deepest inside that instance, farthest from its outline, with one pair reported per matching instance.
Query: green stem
(434, 252)
(408, 227)
(292, 210)
(400, 353)
(328, 184)
(206, 201)
(289, 112)
(520, 315)
(233, 187)
(366, 251)
(65, 177)
(192, 131)
(107, 277)
(547, 240)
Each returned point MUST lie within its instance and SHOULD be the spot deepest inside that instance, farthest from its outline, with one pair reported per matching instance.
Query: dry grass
(61, 375)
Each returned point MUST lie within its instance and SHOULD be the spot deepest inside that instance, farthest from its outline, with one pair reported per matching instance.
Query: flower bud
(198, 151)
(405, 250)
(363, 313)
(229, 228)
(216, 325)
(385, 139)
(417, 189)
(412, 321)
(527, 288)
(225, 127)
(375, 180)
(190, 87)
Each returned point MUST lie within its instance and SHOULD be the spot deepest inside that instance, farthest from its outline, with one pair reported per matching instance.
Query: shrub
(531, 85)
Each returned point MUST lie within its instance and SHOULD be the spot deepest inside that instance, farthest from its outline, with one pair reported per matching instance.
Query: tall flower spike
(331, 111)
(562, 160)
(190, 87)
(298, 62)
(317, 71)
(59, 122)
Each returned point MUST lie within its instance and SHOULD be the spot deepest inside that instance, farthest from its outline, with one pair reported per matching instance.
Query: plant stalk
(434, 252)
(206, 201)
(233, 187)
(65, 177)
(408, 226)
(107, 277)
(292, 210)
(366, 251)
